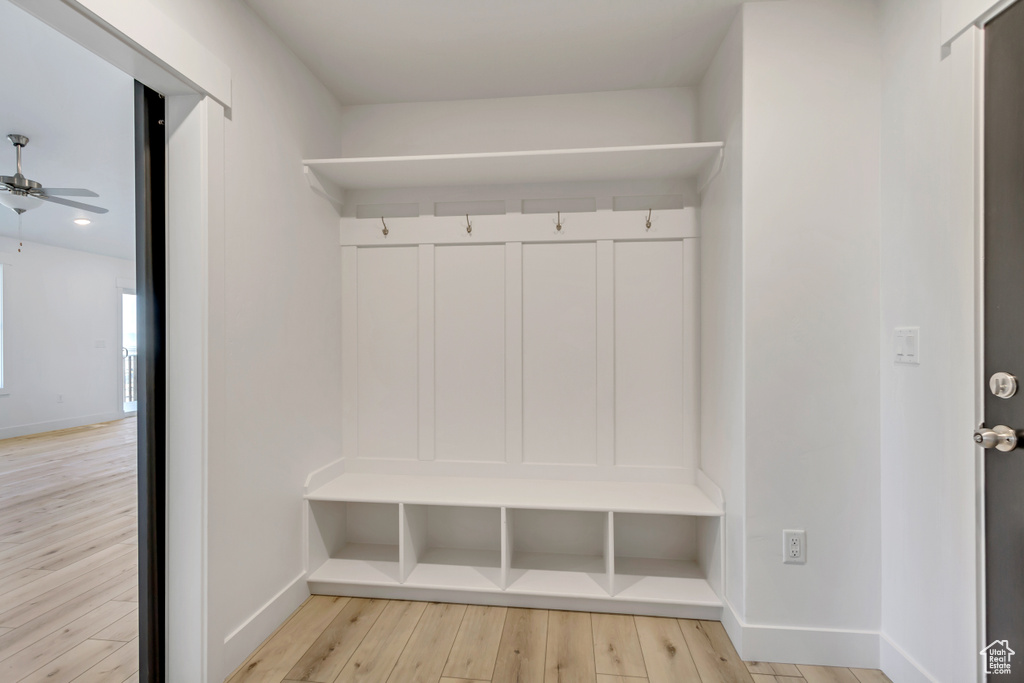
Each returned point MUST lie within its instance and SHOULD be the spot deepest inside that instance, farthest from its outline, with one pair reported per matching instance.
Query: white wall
(602, 119)
(720, 99)
(927, 262)
(811, 101)
(631, 117)
(59, 306)
(274, 322)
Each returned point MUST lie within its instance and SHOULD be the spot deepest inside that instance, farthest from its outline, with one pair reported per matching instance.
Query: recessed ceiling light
(82, 221)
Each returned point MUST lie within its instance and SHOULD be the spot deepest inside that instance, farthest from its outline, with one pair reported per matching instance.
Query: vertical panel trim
(691, 352)
(609, 552)
(514, 353)
(506, 547)
(605, 325)
(426, 352)
(349, 352)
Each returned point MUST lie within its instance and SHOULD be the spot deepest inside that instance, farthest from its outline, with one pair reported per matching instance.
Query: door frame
(142, 42)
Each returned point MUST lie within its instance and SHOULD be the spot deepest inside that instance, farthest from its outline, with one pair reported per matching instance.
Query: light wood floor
(342, 640)
(68, 556)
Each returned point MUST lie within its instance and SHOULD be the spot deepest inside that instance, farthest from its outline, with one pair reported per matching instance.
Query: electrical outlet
(794, 546)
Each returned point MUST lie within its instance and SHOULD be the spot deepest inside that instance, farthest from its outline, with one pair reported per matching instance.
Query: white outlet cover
(794, 546)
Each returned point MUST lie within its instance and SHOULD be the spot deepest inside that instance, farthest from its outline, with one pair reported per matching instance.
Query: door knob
(999, 437)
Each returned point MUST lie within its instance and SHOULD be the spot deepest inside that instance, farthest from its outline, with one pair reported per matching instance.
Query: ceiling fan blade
(68, 192)
(74, 205)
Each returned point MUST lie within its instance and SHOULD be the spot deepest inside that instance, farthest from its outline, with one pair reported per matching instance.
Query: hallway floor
(341, 640)
(69, 556)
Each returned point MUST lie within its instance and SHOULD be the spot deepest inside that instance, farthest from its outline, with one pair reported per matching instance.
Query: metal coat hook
(558, 222)
(649, 211)
(385, 231)
(469, 226)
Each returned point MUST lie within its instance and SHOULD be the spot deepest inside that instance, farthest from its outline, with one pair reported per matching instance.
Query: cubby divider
(506, 546)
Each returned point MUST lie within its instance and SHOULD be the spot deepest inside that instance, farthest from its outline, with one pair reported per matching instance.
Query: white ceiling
(379, 51)
(78, 112)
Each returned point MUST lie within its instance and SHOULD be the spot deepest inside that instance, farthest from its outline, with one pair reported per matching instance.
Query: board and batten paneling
(469, 353)
(542, 358)
(388, 348)
(560, 353)
(649, 353)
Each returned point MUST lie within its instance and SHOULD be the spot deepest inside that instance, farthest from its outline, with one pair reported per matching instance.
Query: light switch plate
(908, 345)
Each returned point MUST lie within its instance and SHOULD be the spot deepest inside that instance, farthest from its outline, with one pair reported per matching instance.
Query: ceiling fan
(20, 194)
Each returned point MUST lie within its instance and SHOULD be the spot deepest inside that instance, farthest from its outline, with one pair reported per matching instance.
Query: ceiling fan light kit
(21, 194)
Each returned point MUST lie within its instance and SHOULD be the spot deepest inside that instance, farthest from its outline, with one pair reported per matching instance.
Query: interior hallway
(69, 556)
(340, 640)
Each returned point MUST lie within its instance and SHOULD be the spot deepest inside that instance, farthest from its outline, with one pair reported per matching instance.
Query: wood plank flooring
(69, 557)
(342, 640)
(69, 604)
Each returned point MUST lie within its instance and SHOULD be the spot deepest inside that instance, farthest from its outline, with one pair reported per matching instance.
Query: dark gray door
(1004, 330)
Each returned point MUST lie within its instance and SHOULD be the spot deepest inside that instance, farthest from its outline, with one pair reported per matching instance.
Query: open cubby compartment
(357, 542)
(557, 552)
(664, 557)
(445, 546)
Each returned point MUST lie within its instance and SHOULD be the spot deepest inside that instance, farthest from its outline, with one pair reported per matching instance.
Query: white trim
(194, 141)
(514, 354)
(328, 472)
(672, 224)
(520, 470)
(247, 636)
(710, 488)
(425, 349)
(54, 425)
(142, 41)
(979, 343)
(605, 355)
(994, 10)
(899, 666)
(349, 352)
(814, 646)
(521, 600)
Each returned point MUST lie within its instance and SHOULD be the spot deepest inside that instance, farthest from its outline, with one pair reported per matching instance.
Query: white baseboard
(899, 666)
(241, 642)
(821, 647)
(54, 425)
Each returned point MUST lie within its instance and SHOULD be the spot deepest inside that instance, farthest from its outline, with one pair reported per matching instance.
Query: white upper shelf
(514, 168)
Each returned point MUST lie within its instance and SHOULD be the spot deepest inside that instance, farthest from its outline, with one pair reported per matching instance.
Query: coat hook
(385, 226)
(649, 218)
(558, 222)
(469, 226)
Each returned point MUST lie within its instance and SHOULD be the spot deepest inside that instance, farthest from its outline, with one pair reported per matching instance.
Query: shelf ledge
(537, 494)
(589, 164)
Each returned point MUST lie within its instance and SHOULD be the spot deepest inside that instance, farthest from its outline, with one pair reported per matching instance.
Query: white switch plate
(908, 345)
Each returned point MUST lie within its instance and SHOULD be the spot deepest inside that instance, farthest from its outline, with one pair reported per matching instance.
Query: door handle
(1000, 437)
